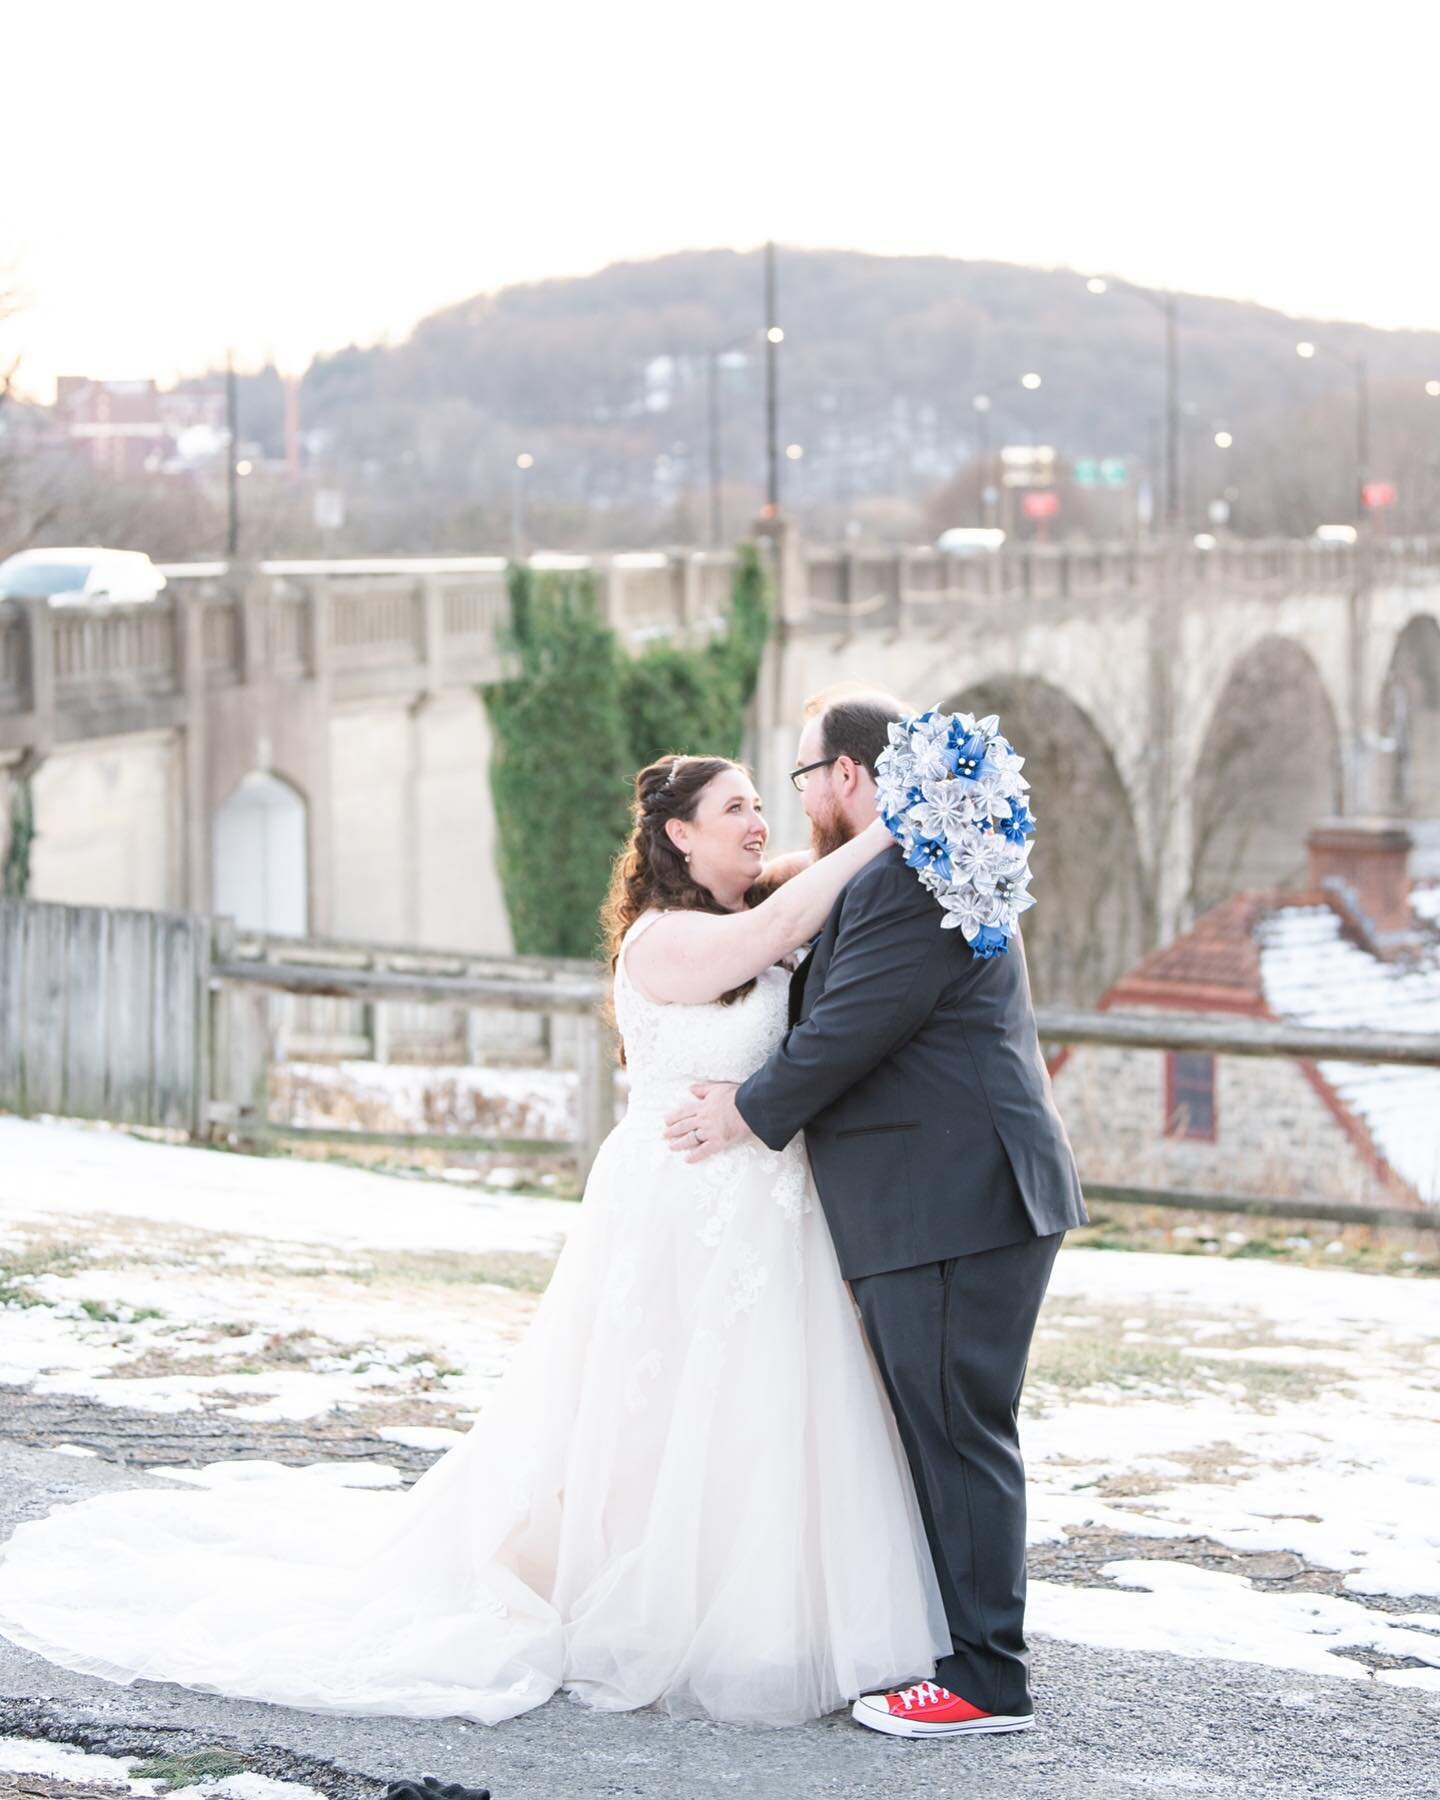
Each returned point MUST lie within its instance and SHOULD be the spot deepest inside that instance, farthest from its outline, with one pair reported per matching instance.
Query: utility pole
(232, 452)
(1172, 414)
(712, 408)
(774, 337)
(1362, 438)
(981, 406)
(1168, 303)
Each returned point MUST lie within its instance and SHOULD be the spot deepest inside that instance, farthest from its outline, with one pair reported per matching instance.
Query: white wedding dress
(687, 1490)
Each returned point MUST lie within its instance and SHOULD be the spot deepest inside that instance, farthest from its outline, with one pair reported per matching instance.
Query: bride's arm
(692, 957)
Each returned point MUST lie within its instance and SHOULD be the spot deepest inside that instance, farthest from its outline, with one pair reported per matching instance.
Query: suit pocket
(853, 1131)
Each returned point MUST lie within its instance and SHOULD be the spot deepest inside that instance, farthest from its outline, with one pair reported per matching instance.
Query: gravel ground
(1110, 1724)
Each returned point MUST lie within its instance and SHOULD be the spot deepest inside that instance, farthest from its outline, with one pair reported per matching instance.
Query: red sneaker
(929, 1710)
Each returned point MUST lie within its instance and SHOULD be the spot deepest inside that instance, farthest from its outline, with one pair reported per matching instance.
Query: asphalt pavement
(1109, 1724)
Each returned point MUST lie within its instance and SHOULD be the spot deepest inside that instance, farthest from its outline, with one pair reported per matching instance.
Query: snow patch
(1185, 1611)
(1313, 974)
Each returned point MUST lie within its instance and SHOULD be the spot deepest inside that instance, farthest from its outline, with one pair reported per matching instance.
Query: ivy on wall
(20, 835)
(694, 701)
(574, 724)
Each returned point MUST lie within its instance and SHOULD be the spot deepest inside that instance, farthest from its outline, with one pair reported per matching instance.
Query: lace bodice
(669, 1046)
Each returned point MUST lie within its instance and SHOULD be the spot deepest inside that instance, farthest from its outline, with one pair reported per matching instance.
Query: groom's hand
(707, 1124)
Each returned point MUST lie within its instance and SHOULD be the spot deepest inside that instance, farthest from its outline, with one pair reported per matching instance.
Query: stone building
(1359, 948)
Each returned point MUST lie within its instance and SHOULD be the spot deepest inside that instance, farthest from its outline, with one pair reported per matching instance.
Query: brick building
(129, 428)
(1359, 949)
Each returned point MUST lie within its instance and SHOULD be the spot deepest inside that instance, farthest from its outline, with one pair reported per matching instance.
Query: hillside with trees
(607, 382)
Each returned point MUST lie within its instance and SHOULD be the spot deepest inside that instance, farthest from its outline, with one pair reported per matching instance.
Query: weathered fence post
(239, 1042)
(595, 1089)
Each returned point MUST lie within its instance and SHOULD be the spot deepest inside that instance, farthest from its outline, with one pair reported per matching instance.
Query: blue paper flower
(967, 755)
(931, 854)
(990, 941)
(1020, 824)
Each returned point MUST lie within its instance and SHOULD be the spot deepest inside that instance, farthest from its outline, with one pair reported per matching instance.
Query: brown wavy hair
(651, 870)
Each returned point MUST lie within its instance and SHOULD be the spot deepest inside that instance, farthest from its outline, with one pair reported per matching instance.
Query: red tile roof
(1213, 967)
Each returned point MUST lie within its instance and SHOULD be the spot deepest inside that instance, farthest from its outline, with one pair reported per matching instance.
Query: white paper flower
(947, 808)
(932, 761)
(965, 910)
(893, 787)
(994, 792)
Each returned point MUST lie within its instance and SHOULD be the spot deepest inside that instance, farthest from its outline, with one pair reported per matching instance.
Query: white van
(79, 576)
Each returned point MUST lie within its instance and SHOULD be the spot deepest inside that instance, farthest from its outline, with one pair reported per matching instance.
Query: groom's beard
(829, 832)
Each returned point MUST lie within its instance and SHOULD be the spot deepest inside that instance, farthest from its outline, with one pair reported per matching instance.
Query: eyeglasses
(798, 777)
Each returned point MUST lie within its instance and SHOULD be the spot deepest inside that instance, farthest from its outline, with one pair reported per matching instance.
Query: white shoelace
(924, 1693)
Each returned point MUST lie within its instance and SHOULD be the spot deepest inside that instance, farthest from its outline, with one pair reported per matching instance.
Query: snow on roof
(1314, 974)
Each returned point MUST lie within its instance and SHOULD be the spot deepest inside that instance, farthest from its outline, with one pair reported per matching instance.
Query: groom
(947, 1180)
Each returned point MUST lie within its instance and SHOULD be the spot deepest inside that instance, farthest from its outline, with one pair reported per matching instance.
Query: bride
(686, 1492)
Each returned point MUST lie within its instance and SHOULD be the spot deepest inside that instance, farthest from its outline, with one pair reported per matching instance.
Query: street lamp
(1166, 303)
(1031, 381)
(1432, 388)
(1307, 351)
(774, 338)
(524, 462)
(1223, 440)
(794, 452)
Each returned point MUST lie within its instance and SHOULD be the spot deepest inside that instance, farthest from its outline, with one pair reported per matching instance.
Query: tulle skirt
(687, 1491)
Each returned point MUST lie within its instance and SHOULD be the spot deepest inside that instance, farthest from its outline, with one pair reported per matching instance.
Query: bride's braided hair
(651, 870)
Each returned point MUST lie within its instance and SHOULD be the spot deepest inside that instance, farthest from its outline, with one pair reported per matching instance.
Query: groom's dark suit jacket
(915, 1072)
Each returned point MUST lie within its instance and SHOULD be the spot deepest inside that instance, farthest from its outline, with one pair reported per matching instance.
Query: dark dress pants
(952, 1339)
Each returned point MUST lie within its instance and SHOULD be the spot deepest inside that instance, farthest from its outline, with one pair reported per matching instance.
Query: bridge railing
(859, 583)
(415, 625)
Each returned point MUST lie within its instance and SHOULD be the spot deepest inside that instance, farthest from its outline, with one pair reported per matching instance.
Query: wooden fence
(104, 1014)
(164, 1019)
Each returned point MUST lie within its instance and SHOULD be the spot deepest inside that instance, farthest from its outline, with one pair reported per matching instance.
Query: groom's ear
(850, 773)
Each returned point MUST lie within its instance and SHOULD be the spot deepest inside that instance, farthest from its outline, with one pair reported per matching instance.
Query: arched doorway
(1268, 768)
(1087, 926)
(261, 866)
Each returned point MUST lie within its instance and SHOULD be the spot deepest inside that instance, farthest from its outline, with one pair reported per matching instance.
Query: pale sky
(177, 176)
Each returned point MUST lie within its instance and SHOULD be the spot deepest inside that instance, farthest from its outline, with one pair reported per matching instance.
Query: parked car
(969, 540)
(79, 576)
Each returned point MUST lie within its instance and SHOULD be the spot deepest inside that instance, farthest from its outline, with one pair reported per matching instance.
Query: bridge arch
(1410, 719)
(1267, 767)
(261, 864)
(1090, 921)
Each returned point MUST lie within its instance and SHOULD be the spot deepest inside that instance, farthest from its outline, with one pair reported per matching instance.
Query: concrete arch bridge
(1186, 715)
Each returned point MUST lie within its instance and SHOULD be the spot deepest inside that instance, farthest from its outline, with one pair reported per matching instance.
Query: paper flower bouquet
(950, 789)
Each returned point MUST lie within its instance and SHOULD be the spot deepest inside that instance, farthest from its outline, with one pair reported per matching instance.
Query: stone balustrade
(363, 628)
